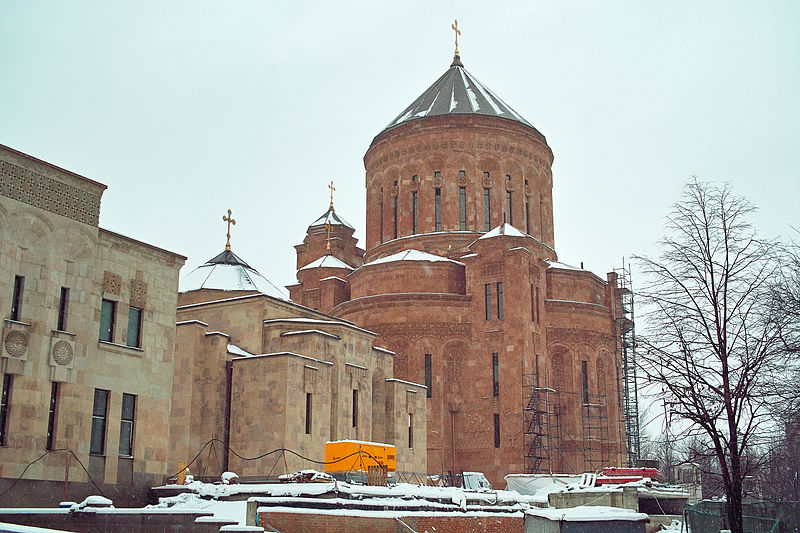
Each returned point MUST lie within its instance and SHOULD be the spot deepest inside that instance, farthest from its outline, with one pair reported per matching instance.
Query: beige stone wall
(48, 234)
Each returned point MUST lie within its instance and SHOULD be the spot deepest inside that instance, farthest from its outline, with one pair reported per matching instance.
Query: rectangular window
(51, 419)
(437, 208)
(462, 208)
(585, 381)
(495, 375)
(63, 306)
(533, 305)
(355, 408)
(126, 425)
(428, 375)
(99, 414)
(527, 216)
(108, 311)
(308, 413)
(410, 430)
(16, 300)
(500, 300)
(414, 212)
(134, 327)
(394, 214)
(462, 173)
(508, 208)
(496, 430)
(537, 305)
(487, 210)
(4, 403)
(488, 300)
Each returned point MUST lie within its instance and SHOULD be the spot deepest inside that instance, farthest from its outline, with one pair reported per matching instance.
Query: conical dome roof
(228, 272)
(330, 216)
(457, 92)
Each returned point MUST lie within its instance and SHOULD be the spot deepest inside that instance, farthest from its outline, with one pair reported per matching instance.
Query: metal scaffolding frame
(627, 345)
(542, 428)
(594, 422)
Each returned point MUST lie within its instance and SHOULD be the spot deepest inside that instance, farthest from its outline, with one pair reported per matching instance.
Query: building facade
(87, 343)
(520, 352)
(256, 372)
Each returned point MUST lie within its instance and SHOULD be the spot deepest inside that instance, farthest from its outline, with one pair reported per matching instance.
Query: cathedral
(521, 354)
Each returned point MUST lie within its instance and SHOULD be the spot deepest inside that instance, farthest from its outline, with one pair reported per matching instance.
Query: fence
(700, 521)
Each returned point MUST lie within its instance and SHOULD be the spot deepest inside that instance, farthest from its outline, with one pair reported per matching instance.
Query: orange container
(372, 453)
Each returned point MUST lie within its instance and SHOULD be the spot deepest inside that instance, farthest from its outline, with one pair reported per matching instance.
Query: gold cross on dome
(454, 27)
(230, 221)
(328, 228)
(332, 188)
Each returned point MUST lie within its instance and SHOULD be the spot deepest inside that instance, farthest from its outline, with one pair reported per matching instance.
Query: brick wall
(288, 522)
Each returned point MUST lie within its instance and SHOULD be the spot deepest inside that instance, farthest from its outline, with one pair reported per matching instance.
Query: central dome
(457, 92)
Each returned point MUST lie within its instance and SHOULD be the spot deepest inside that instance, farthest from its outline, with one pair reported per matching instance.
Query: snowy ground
(234, 510)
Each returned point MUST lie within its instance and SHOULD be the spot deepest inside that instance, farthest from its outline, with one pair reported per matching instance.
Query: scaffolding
(627, 346)
(594, 422)
(542, 428)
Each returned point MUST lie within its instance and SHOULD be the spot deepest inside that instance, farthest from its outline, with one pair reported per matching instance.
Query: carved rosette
(15, 344)
(62, 353)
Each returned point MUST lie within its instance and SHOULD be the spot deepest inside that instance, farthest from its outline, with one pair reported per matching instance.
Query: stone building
(460, 277)
(258, 372)
(87, 342)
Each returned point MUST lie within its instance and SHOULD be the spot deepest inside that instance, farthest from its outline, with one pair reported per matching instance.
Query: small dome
(228, 272)
(330, 216)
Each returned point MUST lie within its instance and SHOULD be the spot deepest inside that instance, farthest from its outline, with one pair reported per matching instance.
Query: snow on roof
(185, 322)
(503, 229)
(318, 321)
(330, 216)
(412, 255)
(589, 513)
(307, 331)
(457, 92)
(384, 350)
(207, 333)
(361, 442)
(328, 261)
(235, 350)
(228, 277)
(563, 266)
(396, 380)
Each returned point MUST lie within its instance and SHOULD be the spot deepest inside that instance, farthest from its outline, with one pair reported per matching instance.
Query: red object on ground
(636, 473)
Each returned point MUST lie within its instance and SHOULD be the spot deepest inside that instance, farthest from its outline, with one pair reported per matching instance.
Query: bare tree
(713, 329)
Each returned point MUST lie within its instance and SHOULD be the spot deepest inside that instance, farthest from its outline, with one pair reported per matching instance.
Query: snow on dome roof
(457, 92)
(563, 266)
(330, 216)
(328, 261)
(227, 272)
(412, 255)
(503, 229)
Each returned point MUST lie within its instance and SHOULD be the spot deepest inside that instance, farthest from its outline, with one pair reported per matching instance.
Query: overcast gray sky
(186, 109)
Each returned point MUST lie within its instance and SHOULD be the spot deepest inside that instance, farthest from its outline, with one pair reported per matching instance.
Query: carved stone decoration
(453, 361)
(437, 181)
(49, 194)
(112, 283)
(411, 402)
(509, 185)
(495, 268)
(528, 190)
(572, 336)
(62, 353)
(494, 338)
(557, 373)
(138, 293)
(16, 343)
(487, 183)
(411, 330)
(534, 271)
(309, 379)
(462, 181)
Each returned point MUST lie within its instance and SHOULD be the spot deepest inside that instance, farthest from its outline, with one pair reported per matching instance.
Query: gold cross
(332, 188)
(230, 221)
(458, 32)
(328, 227)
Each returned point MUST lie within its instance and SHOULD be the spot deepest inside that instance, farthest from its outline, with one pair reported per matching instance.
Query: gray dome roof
(457, 92)
(228, 272)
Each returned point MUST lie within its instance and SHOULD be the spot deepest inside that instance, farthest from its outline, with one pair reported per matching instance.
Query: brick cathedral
(520, 353)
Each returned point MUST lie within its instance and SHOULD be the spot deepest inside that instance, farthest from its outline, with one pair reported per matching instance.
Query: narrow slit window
(126, 425)
(537, 305)
(495, 375)
(308, 413)
(527, 216)
(428, 376)
(487, 210)
(16, 300)
(380, 207)
(4, 404)
(394, 215)
(509, 208)
(500, 300)
(585, 381)
(414, 212)
(533, 305)
(410, 430)
(496, 430)
(462, 208)
(63, 308)
(51, 418)
(355, 408)
(97, 445)
(437, 208)
(488, 300)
